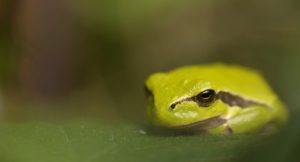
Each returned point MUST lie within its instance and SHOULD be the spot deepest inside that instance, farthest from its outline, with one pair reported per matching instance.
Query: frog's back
(234, 79)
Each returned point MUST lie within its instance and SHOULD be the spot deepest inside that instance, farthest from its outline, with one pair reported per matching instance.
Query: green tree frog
(215, 98)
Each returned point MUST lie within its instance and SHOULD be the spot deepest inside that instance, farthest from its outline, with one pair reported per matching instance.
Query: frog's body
(237, 99)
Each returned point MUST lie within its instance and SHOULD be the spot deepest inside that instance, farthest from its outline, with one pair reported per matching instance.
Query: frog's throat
(209, 123)
(229, 99)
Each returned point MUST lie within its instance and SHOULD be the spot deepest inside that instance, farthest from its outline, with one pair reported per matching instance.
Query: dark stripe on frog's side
(235, 100)
(227, 98)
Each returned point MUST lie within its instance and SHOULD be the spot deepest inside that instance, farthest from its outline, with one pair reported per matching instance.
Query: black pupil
(206, 98)
(207, 94)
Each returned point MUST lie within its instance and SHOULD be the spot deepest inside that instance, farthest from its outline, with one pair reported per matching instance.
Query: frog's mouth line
(204, 124)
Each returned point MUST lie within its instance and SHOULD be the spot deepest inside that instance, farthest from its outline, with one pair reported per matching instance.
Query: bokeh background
(66, 63)
(66, 59)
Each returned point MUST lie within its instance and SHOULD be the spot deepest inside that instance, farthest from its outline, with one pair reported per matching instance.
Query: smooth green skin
(180, 83)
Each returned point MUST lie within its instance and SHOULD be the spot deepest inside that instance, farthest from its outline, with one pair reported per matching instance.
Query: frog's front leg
(248, 120)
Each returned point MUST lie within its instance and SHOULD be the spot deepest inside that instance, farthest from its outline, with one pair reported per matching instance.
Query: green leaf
(98, 141)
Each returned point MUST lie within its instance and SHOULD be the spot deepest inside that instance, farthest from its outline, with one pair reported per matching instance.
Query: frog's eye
(206, 97)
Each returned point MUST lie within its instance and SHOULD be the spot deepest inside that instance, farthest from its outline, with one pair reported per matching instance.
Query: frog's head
(182, 100)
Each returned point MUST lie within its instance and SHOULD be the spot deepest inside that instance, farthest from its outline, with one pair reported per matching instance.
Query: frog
(215, 98)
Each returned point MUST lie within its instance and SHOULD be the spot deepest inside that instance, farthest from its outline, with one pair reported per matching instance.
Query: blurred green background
(64, 60)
